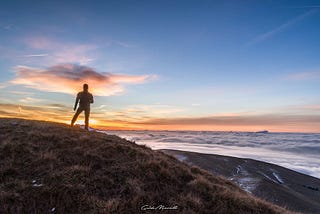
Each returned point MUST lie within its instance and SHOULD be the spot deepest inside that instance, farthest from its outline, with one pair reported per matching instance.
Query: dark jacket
(85, 99)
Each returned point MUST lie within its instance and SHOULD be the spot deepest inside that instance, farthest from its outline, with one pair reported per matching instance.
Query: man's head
(85, 87)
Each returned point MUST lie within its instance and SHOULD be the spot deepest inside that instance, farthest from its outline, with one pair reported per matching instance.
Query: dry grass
(46, 165)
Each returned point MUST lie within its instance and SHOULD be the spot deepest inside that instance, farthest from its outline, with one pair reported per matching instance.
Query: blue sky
(177, 60)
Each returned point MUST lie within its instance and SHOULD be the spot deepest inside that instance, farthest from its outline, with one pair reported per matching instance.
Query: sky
(164, 65)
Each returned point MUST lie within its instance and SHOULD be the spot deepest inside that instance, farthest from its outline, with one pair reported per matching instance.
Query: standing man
(86, 99)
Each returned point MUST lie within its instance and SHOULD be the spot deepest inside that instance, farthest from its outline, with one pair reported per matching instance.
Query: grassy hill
(53, 168)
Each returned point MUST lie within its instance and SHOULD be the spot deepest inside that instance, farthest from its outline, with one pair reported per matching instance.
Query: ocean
(297, 151)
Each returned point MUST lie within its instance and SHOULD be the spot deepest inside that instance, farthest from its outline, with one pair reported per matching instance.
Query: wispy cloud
(312, 107)
(132, 120)
(43, 43)
(195, 104)
(55, 105)
(30, 100)
(63, 114)
(281, 28)
(53, 51)
(35, 55)
(308, 75)
(59, 114)
(3, 85)
(68, 78)
(61, 52)
(273, 122)
(135, 113)
(21, 92)
(102, 106)
(120, 43)
(6, 27)
(153, 110)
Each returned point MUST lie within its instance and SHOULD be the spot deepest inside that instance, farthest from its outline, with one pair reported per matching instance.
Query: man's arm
(76, 103)
(91, 99)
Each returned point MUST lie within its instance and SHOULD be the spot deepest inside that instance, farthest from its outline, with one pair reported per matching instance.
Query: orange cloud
(67, 78)
(50, 112)
(272, 122)
(62, 114)
(132, 121)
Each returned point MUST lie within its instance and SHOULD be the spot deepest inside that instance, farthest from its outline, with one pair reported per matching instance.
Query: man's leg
(79, 110)
(87, 114)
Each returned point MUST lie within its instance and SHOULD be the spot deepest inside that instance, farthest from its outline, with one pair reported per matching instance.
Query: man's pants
(86, 113)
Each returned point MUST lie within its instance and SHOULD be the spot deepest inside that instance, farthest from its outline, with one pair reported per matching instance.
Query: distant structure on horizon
(262, 132)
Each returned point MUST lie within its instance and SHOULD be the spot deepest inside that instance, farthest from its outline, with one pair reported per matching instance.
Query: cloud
(61, 52)
(120, 43)
(135, 113)
(313, 107)
(53, 51)
(6, 27)
(301, 109)
(22, 92)
(157, 110)
(55, 105)
(280, 28)
(133, 120)
(102, 106)
(35, 55)
(3, 85)
(68, 78)
(30, 100)
(277, 122)
(42, 43)
(59, 114)
(62, 113)
(309, 75)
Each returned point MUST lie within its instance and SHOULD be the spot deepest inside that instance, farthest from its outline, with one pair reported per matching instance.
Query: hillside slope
(276, 184)
(53, 168)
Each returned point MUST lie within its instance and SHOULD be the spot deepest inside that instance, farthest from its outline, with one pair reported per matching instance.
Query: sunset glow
(163, 65)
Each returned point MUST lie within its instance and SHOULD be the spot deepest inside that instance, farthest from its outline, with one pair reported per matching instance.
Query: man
(86, 99)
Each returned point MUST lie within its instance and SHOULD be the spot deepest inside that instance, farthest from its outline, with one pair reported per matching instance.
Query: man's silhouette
(86, 99)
